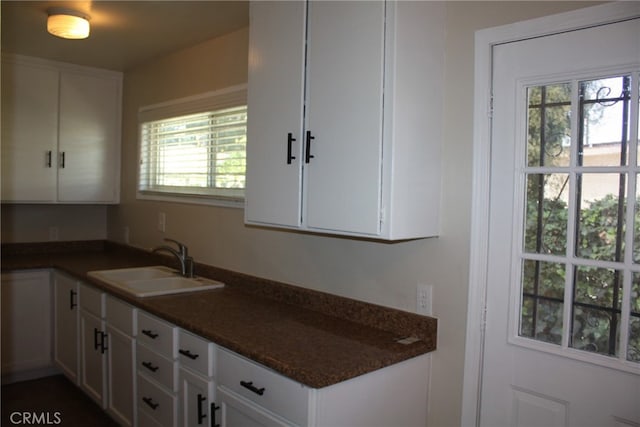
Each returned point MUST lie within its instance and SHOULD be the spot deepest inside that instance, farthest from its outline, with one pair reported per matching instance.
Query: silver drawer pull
(249, 385)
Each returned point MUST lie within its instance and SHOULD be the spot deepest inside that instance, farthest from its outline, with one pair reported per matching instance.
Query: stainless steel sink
(153, 281)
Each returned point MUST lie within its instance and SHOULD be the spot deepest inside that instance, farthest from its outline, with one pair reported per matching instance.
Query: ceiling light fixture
(68, 24)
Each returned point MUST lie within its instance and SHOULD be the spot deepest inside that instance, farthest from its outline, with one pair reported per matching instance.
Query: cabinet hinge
(490, 112)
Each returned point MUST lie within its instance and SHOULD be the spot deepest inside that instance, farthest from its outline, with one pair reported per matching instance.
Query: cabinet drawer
(92, 300)
(121, 315)
(196, 353)
(159, 404)
(267, 388)
(145, 420)
(161, 369)
(157, 334)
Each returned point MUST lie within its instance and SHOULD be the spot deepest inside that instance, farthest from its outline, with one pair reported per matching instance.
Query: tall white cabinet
(344, 128)
(60, 132)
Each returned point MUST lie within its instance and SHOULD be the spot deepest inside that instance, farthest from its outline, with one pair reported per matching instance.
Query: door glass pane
(600, 225)
(604, 121)
(546, 213)
(596, 309)
(636, 225)
(542, 300)
(633, 349)
(549, 123)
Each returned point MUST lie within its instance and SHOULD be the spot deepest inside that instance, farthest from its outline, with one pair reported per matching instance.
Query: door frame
(485, 40)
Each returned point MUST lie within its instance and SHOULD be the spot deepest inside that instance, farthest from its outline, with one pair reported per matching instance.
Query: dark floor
(50, 401)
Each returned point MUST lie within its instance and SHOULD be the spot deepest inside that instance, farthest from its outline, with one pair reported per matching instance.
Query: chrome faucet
(182, 254)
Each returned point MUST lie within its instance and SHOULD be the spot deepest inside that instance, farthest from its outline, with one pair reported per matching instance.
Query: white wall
(41, 223)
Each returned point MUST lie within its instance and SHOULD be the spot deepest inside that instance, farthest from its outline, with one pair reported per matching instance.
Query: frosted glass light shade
(68, 26)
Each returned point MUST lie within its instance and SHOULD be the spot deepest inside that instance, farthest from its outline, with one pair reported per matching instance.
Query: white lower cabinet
(197, 385)
(267, 397)
(157, 371)
(26, 325)
(107, 353)
(93, 345)
(66, 320)
(121, 359)
(147, 372)
(252, 395)
(197, 399)
(239, 412)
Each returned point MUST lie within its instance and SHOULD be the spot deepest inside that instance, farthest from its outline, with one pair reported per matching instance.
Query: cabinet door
(29, 132)
(120, 376)
(89, 138)
(276, 102)
(26, 320)
(66, 325)
(237, 412)
(196, 397)
(345, 64)
(93, 361)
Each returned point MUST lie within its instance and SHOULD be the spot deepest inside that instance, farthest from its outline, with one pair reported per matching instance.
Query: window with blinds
(200, 154)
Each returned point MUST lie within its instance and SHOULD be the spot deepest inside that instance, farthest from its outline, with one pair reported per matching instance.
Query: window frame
(221, 99)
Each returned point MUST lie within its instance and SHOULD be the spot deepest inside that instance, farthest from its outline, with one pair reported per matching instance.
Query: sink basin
(153, 281)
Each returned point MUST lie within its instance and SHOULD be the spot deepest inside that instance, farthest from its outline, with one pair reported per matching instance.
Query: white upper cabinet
(89, 138)
(275, 113)
(29, 133)
(60, 133)
(344, 131)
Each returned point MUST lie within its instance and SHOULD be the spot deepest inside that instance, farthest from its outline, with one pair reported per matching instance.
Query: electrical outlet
(162, 221)
(424, 299)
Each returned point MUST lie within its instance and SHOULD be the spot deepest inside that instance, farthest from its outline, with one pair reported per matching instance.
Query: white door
(562, 339)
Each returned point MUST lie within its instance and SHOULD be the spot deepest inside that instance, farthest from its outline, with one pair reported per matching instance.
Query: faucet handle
(183, 248)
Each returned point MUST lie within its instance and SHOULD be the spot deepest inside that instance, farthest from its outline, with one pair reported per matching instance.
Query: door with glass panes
(562, 343)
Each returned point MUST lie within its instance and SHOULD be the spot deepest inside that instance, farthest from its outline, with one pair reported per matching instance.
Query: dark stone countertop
(312, 337)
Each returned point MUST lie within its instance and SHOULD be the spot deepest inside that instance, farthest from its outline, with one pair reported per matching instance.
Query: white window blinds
(195, 153)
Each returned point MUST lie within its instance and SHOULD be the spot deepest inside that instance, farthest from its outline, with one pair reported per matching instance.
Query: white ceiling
(124, 33)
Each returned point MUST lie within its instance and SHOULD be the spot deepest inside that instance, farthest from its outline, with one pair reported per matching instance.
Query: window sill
(225, 202)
